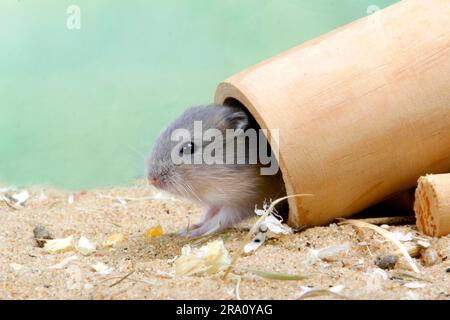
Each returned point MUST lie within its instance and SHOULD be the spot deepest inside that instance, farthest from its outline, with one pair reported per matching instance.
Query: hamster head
(178, 162)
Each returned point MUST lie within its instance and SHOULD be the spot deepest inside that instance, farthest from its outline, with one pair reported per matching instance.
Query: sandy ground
(27, 272)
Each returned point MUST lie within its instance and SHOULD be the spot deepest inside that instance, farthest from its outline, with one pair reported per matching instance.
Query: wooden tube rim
(225, 92)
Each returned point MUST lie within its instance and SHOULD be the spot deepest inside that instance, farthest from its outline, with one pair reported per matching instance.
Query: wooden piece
(432, 205)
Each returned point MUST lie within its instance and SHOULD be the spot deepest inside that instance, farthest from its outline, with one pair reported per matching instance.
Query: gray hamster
(228, 191)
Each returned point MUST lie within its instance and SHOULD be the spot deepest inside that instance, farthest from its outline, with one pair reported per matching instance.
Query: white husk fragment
(307, 291)
(164, 274)
(159, 195)
(102, 268)
(332, 253)
(337, 289)
(120, 202)
(114, 240)
(423, 244)
(163, 196)
(257, 241)
(15, 266)
(275, 225)
(260, 212)
(85, 247)
(21, 197)
(415, 285)
(210, 258)
(403, 237)
(42, 197)
(172, 260)
(71, 199)
(13, 197)
(63, 263)
(59, 245)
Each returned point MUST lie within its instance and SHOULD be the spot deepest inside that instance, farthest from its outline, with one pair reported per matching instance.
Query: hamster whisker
(190, 191)
(181, 189)
(135, 152)
(193, 192)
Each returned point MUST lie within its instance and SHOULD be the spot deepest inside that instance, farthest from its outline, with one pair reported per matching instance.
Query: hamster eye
(188, 148)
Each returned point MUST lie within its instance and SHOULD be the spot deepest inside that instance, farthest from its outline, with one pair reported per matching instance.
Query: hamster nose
(156, 181)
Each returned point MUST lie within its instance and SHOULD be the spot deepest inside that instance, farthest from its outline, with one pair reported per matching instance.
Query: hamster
(228, 191)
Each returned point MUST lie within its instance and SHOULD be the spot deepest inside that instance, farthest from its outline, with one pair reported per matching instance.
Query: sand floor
(27, 272)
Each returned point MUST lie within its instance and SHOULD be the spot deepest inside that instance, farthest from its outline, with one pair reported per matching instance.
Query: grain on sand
(142, 267)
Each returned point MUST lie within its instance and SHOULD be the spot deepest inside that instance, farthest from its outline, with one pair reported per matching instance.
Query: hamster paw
(206, 226)
(185, 232)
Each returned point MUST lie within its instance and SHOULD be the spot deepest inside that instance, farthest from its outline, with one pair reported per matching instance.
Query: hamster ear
(237, 120)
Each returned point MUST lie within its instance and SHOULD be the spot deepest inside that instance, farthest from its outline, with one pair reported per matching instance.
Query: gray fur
(232, 189)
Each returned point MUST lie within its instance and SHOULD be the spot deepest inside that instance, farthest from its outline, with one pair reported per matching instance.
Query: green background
(82, 108)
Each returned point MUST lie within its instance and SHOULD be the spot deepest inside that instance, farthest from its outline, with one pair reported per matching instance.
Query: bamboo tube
(363, 111)
(432, 205)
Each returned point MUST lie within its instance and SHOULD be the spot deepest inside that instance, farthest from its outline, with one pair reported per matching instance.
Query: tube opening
(283, 208)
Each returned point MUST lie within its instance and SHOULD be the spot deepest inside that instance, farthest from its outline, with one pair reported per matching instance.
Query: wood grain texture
(363, 111)
(432, 205)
